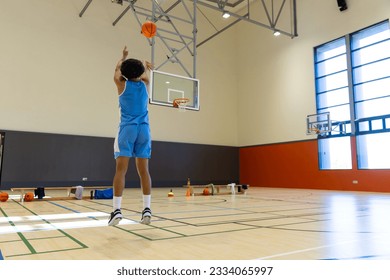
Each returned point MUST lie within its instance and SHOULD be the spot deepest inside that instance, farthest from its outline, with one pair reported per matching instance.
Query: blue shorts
(133, 140)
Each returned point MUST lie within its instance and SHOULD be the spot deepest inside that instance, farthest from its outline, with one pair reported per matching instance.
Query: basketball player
(133, 138)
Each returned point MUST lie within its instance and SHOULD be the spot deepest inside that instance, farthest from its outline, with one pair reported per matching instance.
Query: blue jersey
(133, 103)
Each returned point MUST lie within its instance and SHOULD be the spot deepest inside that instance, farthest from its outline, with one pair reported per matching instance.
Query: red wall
(295, 165)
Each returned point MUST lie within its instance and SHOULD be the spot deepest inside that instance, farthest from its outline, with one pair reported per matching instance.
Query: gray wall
(44, 159)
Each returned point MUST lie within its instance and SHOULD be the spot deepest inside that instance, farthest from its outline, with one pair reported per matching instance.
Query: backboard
(321, 124)
(318, 123)
(166, 87)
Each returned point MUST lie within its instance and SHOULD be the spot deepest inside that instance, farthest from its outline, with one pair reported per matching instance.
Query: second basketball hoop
(181, 103)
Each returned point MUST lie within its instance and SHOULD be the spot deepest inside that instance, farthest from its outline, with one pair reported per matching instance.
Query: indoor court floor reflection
(264, 223)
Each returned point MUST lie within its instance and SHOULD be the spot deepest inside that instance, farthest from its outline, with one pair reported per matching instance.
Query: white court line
(57, 226)
(308, 249)
(52, 217)
(35, 223)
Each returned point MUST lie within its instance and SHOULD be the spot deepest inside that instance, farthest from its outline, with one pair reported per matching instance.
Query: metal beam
(227, 3)
(295, 18)
(121, 15)
(189, 41)
(280, 11)
(270, 26)
(85, 8)
(158, 14)
(221, 4)
(220, 31)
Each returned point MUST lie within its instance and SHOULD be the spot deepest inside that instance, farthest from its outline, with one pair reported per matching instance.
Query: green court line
(46, 252)
(47, 237)
(88, 207)
(60, 230)
(133, 231)
(136, 234)
(29, 245)
(9, 241)
(164, 229)
(130, 210)
(243, 223)
(206, 233)
(183, 203)
(179, 235)
(21, 236)
(128, 231)
(74, 239)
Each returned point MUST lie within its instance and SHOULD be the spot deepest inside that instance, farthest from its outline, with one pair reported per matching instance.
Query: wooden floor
(264, 223)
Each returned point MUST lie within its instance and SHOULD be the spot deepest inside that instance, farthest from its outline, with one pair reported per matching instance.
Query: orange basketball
(149, 29)
(3, 197)
(29, 196)
(206, 191)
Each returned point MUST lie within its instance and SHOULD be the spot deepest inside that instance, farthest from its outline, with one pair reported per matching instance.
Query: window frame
(353, 104)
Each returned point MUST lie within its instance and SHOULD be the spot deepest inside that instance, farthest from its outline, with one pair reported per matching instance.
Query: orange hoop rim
(180, 101)
(316, 130)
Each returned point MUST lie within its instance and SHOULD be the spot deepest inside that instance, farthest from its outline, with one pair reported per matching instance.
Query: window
(332, 94)
(335, 153)
(352, 77)
(370, 53)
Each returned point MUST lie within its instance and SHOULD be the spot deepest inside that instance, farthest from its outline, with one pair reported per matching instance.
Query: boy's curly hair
(132, 68)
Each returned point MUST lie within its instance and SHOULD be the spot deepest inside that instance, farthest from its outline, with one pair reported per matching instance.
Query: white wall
(56, 74)
(276, 81)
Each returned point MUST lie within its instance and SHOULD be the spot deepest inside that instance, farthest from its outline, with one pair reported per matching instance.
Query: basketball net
(181, 103)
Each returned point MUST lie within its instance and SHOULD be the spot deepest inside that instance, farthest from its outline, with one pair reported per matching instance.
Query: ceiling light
(225, 15)
(120, 2)
(276, 33)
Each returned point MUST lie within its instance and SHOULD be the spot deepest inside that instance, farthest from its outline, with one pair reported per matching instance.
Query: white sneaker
(115, 218)
(146, 216)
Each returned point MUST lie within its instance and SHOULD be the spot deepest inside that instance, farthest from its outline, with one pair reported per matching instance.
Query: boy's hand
(125, 53)
(148, 65)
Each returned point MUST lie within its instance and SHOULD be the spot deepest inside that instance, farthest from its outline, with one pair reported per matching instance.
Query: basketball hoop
(315, 130)
(181, 103)
(318, 124)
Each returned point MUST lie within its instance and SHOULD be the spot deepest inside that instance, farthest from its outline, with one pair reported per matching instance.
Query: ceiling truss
(176, 40)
